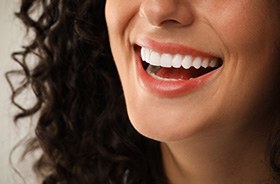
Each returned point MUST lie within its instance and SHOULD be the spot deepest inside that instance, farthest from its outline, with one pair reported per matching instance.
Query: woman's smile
(172, 70)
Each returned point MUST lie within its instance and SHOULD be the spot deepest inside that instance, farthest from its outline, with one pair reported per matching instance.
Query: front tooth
(213, 63)
(166, 60)
(187, 62)
(197, 62)
(177, 61)
(155, 59)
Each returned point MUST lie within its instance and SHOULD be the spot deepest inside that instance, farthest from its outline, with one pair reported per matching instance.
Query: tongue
(174, 73)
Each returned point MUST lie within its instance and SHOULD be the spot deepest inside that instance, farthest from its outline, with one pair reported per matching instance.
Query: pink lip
(169, 88)
(171, 48)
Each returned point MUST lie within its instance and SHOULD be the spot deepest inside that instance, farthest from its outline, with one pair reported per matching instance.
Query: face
(189, 67)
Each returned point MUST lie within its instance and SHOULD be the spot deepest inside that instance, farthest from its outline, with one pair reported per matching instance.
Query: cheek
(117, 19)
(114, 14)
(119, 14)
(242, 25)
(248, 35)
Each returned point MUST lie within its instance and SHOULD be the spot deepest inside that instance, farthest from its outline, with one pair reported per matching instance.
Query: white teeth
(177, 61)
(143, 54)
(213, 63)
(168, 60)
(155, 59)
(197, 62)
(205, 63)
(187, 62)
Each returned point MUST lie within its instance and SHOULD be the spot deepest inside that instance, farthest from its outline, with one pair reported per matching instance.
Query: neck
(218, 158)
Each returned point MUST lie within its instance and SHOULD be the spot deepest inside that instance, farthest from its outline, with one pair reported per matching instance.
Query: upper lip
(172, 48)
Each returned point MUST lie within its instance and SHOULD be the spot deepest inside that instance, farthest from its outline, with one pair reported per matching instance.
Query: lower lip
(169, 88)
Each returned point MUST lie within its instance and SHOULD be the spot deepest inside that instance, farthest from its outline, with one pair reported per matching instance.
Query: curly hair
(83, 128)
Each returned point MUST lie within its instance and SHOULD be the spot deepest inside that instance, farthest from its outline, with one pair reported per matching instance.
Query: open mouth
(177, 67)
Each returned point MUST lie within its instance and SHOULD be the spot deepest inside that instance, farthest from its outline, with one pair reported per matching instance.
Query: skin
(217, 133)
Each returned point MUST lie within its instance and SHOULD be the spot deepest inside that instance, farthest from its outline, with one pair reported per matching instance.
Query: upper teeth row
(168, 60)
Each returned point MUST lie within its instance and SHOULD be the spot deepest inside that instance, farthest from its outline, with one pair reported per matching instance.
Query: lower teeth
(152, 70)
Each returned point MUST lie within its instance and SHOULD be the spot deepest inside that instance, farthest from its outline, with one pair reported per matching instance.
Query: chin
(166, 127)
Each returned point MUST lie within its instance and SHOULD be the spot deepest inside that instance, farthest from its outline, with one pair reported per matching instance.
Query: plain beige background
(11, 38)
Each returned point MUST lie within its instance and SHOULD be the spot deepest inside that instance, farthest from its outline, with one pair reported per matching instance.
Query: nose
(161, 12)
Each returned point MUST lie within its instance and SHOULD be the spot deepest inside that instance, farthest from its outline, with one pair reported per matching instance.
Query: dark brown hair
(83, 128)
